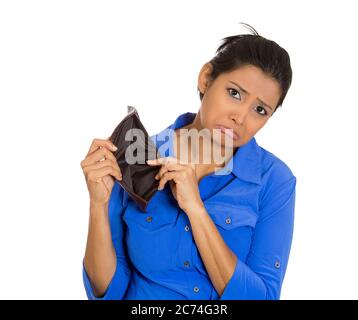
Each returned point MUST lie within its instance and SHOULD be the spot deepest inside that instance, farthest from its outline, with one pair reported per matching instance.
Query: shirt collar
(245, 162)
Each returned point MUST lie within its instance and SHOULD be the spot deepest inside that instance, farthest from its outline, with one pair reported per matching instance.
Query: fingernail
(114, 147)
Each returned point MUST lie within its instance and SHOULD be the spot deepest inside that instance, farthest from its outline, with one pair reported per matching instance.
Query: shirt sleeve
(123, 273)
(260, 277)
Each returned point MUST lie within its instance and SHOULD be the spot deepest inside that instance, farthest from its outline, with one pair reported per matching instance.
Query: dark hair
(244, 49)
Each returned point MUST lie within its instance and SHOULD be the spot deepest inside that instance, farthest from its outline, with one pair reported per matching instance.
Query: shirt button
(277, 264)
(228, 220)
(149, 219)
(196, 289)
(186, 228)
(186, 263)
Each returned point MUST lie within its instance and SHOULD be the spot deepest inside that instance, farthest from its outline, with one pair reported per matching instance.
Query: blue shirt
(252, 207)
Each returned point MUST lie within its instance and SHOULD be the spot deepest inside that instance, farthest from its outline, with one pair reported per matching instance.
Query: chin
(221, 142)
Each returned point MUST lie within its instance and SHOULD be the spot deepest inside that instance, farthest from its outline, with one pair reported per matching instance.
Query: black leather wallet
(137, 176)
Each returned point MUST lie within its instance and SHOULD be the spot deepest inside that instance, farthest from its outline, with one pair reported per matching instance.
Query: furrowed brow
(244, 90)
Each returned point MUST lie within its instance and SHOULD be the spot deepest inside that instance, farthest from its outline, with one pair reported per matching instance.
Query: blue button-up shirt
(252, 206)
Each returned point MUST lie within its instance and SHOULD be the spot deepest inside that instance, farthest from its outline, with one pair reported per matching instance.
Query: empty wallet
(138, 178)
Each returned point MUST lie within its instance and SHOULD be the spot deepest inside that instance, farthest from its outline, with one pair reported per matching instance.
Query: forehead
(256, 82)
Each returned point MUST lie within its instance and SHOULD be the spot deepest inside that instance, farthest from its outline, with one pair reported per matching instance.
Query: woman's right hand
(100, 167)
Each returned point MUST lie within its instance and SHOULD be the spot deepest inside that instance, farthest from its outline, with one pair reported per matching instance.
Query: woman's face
(242, 100)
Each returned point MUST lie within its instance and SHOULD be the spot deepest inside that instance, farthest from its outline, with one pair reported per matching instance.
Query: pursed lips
(229, 131)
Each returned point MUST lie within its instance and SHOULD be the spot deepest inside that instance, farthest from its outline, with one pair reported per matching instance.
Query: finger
(169, 176)
(97, 174)
(96, 143)
(101, 153)
(162, 161)
(169, 167)
(101, 164)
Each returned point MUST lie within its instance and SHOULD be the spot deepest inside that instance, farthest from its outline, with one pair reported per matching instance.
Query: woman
(216, 230)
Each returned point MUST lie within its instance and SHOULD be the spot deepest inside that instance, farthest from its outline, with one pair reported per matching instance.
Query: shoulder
(278, 180)
(273, 168)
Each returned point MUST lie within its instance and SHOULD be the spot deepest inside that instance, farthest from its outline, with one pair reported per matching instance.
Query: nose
(239, 116)
(238, 119)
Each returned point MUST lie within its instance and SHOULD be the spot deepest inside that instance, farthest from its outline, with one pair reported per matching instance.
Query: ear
(204, 77)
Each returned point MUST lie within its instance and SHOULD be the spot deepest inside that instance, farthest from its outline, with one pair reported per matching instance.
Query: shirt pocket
(151, 238)
(236, 224)
(157, 217)
(230, 217)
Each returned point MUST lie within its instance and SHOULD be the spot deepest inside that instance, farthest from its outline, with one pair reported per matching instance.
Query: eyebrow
(241, 88)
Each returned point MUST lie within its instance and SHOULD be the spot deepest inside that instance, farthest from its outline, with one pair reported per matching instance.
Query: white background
(68, 69)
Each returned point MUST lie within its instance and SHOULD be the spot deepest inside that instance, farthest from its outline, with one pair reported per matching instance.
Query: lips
(229, 131)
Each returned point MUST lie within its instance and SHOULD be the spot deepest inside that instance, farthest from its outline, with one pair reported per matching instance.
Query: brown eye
(261, 111)
(234, 91)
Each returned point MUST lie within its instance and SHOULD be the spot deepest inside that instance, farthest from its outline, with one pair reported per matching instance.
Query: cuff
(116, 288)
(244, 284)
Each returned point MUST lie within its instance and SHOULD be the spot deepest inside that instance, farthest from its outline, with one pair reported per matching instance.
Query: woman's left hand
(183, 182)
